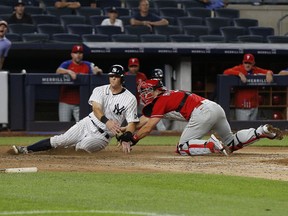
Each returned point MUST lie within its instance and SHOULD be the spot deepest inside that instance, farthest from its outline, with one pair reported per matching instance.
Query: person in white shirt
(112, 20)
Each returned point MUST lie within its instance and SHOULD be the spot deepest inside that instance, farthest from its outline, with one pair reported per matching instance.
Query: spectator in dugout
(145, 17)
(246, 98)
(19, 15)
(5, 44)
(133, 69)
(69, 102)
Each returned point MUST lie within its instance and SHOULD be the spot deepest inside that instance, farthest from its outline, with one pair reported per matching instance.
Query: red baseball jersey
(246, 98)
(140, 77)
(71, 94)
(170, 101)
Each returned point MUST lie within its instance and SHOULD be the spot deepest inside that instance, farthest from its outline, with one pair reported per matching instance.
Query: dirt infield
(268, 162)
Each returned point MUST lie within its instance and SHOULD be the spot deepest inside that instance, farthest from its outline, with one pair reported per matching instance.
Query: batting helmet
(147, 87)
(157, 73)
(117, 70)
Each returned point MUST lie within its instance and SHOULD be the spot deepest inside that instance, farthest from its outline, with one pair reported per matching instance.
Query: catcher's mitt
(126, 137)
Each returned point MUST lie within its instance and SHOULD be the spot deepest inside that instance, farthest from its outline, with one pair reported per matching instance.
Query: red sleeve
(257, 70)
(235, 70)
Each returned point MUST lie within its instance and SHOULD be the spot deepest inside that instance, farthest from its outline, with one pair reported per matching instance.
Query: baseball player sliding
(111, 105)
(202, 116)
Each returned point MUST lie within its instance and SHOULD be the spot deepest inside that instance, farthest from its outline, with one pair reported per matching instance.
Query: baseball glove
(126, 137)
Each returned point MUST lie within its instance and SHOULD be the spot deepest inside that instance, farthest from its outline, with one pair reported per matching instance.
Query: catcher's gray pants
(83, 135)
(208, 116)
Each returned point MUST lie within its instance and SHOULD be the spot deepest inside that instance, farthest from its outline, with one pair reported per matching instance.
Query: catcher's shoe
(20, 149)
(218, 147)
(180, 149)
(272, 132)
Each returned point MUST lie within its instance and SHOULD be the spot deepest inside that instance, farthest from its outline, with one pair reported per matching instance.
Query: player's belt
(186, 94)
(99, 129)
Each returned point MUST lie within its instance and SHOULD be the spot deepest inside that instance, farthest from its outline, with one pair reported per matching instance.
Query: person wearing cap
(133, 69)
(113, 20)
(69, 99)
(19, 15)
(158, 74)
(111, 104)
(246, 99)
(5, 44)
(145, 17)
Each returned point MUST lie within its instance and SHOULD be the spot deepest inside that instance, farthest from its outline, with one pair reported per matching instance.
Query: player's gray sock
(42, 145)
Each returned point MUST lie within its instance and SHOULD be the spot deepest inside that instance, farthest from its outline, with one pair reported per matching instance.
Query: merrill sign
(65, 79)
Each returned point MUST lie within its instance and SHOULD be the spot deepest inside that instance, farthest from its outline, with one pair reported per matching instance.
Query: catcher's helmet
(117, 70)
(157, 73)
(147, 87)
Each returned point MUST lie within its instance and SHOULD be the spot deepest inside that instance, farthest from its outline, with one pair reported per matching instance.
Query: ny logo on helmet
(117, 110)
(114, 70)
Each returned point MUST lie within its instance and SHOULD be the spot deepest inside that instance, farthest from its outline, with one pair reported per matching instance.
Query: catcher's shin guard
(248, 136)
(197, 147)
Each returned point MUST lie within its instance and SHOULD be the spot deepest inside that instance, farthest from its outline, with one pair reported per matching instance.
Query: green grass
(160, 193)
(149, 140)
(154, 194)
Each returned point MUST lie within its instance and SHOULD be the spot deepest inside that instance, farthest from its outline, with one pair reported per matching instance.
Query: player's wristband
(134, 140)
(104, 119)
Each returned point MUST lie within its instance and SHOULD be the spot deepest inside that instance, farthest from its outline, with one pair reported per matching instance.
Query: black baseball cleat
(20, 149)
(272, 132)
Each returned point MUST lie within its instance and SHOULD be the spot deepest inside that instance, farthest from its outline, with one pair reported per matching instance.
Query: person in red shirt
(202, 116)
(70, 95)
(246, 99)
(133, 69)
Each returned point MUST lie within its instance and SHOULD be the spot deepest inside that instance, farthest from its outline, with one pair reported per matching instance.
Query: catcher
(202, 116)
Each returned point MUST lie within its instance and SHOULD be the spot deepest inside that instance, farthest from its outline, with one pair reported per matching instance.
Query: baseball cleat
(20, 149)
(181, 151)
(177, 149)
(218, 147)
(272, 132)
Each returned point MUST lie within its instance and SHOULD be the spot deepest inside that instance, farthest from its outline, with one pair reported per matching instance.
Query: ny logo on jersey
(117, 110)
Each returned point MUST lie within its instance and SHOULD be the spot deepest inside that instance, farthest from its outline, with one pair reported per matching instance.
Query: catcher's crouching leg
(248, 136)
(201, 147)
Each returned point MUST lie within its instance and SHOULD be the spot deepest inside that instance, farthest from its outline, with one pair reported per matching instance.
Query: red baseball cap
(77, 48)
(249, 58)
(133, 61)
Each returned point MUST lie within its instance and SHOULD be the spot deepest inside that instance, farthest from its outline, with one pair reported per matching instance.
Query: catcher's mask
(147, 87)
(117, 70)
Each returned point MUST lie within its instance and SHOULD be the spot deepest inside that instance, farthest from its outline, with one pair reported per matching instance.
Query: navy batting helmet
(117, 70)
(157, 73)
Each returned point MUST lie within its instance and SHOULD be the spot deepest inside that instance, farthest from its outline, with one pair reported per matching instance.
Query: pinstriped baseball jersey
(117, 107)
